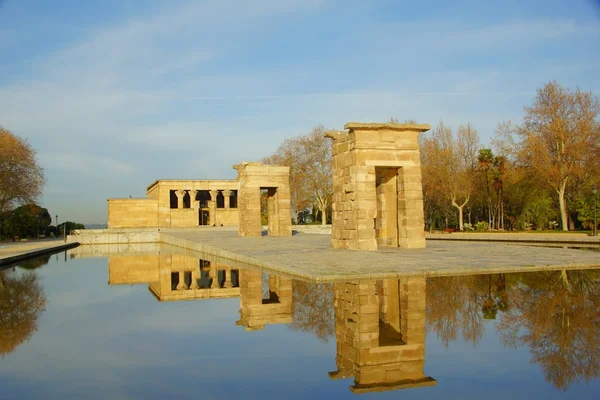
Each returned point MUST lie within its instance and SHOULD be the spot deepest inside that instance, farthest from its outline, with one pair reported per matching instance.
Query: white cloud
(177, 93)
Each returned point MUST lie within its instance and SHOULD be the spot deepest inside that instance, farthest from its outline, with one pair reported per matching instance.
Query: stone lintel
(369, 126)
(256, 168)
(336, 135)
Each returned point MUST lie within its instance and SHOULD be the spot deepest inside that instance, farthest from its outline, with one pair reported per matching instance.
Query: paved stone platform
(311, 257)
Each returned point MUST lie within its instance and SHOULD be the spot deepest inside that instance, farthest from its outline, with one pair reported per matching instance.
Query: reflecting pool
(157, 324)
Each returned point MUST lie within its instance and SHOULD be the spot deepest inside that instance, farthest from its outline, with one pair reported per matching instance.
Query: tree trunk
(323, 216)
(460, 212)
(565, 280)
(563, 206)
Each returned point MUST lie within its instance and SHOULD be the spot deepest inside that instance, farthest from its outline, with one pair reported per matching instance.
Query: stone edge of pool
(169, 237)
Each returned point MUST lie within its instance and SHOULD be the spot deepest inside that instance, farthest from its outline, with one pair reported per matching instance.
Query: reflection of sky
(100, 341)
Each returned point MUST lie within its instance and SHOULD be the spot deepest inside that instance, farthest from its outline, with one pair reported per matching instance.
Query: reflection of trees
(557, 314)
(453, 305)
(34, 263)
(459, 304)
(21, 302)
(313, 309)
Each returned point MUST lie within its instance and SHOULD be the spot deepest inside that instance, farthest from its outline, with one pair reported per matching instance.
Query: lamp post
(57, 229)
(595, 191)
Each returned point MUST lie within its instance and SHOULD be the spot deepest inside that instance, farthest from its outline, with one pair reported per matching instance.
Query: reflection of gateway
(260, 307)
(380, 334)
(173, 277)
(379, 325)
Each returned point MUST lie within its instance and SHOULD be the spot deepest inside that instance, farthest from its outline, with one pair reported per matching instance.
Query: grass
(586, 232)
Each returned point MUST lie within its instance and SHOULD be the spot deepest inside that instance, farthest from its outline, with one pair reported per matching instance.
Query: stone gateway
(377, 191)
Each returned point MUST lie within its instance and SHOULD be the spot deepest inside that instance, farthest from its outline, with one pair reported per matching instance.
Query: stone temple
(377, 194)
(190, 203)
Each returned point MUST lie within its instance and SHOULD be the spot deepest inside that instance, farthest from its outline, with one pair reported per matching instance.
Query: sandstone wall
(377, 192)
(132, 213)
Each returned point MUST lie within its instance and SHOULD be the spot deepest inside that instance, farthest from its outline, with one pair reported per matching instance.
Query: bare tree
(309, 159)
(556, 314)
(313, 309)
(449, 163)
(22, 301)
(559, 140)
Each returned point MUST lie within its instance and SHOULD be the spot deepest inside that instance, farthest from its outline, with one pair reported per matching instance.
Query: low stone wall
(114, 236)
(316, 229)
(525, 237)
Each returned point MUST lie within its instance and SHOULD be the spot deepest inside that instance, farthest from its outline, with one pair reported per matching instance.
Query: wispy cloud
(84, 164)
(211, 83)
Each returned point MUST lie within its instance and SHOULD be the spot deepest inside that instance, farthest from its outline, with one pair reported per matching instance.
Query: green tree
(585, 211)
(539, 211)
(26, 221)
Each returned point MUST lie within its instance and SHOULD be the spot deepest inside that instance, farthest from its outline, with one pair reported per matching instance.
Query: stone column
(195, 277)
(227, 198)
(195, 204)
(180, 194)
(214, 273)
(227, 283)
(181, 284)
(212, 207)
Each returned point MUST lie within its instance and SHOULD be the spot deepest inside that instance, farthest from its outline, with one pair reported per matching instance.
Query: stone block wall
(380, 333)
(377, 192)
(132, 213)
(256, 311)
(135, 269)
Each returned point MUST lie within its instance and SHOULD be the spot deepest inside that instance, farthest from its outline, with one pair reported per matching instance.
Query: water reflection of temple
(259, 306)
(379, 325)
(174, 277)
(380, 334)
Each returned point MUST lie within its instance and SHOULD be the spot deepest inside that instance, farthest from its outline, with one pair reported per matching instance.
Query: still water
(175, 326)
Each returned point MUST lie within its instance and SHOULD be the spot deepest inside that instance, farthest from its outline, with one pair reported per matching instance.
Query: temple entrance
(386, 222)
(203, 200)
(264, 197)
(203, 216)
(269, 210)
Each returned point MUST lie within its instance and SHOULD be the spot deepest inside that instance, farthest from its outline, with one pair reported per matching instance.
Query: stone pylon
(380, 334)
(377, 190)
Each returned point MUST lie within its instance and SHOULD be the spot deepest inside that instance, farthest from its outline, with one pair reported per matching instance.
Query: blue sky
(116, 94)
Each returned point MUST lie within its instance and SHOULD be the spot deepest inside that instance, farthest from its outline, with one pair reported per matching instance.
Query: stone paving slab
(311, 256)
